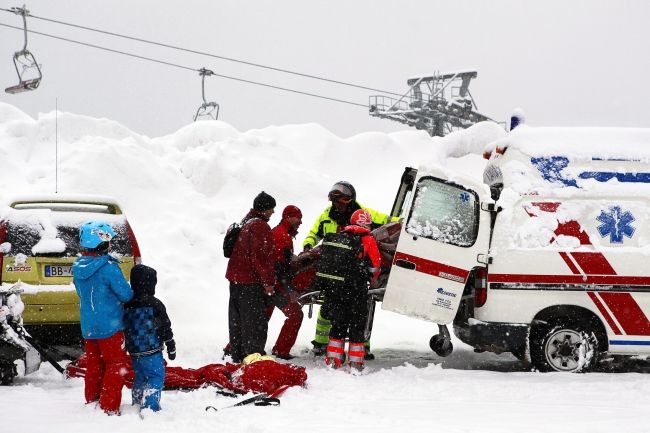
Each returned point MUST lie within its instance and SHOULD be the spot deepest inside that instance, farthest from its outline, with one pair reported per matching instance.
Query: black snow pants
(346, 306)
(247, 320)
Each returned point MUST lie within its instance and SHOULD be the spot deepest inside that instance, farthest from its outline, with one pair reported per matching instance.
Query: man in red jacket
(283, 235)
(251, 272)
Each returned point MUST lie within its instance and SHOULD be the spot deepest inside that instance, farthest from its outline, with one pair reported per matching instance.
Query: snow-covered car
(547, 258)
(39, 241)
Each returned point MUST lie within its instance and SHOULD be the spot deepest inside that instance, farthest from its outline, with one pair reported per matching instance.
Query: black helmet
(342, 190)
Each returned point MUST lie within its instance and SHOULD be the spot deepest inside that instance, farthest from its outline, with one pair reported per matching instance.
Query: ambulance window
(444, 212)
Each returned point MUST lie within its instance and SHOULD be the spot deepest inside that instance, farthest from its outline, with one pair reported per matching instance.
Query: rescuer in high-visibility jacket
(335, 217)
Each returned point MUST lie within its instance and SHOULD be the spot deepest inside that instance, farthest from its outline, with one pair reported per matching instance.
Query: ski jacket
(283, 235)
(370, 252)
(253, 260)
(102, 291)
(146, 324)
(333, 221)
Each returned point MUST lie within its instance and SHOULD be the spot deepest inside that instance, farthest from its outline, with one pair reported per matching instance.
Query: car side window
(444, 212)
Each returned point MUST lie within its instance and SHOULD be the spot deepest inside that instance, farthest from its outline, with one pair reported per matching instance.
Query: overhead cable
(230, 59)
(151, 59)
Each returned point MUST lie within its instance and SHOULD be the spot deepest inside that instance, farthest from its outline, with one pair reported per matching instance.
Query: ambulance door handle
(405, 264)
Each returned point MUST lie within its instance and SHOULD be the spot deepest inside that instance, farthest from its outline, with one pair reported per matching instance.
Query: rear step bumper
(493, 337)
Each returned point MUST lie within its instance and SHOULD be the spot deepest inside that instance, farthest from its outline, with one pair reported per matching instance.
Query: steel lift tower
(438, 103)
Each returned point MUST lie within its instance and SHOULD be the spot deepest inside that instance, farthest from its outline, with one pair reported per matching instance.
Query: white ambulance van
(548, 258)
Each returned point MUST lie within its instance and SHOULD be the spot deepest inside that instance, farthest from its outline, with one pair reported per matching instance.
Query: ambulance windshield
(444, 212)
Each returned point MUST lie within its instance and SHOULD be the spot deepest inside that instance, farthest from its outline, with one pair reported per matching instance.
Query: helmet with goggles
(342, 191)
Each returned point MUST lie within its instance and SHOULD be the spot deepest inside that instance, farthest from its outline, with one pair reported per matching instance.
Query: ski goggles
(335, 196)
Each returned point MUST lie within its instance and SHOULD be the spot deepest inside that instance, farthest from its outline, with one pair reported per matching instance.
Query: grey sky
(564, 62)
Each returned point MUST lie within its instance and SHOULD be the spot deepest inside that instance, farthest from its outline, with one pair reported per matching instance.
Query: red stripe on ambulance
(593, 263)
(627, 313)
(604, 312)
(436, 269)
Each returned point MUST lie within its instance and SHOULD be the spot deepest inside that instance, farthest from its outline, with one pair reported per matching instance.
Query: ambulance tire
(563, 346)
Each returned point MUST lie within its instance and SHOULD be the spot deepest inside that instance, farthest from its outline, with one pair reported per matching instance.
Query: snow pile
(181, 191)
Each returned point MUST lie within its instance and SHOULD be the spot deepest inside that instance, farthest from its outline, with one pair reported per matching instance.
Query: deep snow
(181, 191)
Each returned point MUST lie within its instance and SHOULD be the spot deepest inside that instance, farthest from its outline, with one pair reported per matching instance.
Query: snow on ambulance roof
(578, 143)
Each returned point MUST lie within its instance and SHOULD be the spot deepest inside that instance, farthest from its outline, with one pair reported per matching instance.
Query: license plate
(58, 271)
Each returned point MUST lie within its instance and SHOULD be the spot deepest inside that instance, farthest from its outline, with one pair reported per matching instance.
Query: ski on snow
(262, 399)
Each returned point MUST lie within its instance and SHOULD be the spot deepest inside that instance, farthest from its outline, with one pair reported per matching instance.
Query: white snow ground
(180, 193)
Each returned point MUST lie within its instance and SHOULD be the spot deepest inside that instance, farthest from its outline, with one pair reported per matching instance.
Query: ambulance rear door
(446, 233)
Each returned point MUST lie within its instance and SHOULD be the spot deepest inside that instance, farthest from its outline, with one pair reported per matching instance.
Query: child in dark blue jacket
(147, 327)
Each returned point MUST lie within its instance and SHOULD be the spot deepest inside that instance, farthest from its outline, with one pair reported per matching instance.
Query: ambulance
(547, 258)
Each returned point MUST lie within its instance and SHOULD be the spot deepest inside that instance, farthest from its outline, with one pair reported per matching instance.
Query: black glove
(171, 350)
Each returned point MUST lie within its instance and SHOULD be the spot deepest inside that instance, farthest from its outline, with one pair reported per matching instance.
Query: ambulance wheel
(440, 345)
(563, 346)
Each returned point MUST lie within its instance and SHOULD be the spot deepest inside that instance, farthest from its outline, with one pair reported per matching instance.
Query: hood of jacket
(254, 214)
(143, 281)
(85, 266)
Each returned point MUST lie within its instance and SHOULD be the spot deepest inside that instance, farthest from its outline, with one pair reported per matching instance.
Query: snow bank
(181, 191)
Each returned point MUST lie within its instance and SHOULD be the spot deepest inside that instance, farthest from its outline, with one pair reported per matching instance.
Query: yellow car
(39, 241)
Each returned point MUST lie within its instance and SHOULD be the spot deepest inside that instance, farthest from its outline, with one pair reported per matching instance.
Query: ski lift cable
(230, 59)
(138, 56)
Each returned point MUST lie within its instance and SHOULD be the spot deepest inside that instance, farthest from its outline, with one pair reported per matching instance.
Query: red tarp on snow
(261, 377)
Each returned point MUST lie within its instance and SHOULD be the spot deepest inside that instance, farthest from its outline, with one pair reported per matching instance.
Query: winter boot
(318, 349)
(335, 353)
(356, 354)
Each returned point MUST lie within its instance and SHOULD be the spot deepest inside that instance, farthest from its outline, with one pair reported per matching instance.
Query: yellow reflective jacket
(330, 221)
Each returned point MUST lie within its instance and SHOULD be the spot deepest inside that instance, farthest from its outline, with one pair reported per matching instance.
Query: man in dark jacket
(147, 328)
(251, 272)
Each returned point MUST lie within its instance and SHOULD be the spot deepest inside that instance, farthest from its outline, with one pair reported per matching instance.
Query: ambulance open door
(445, 233)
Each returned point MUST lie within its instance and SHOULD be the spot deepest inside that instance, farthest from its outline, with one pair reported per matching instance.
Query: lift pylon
(438, 103)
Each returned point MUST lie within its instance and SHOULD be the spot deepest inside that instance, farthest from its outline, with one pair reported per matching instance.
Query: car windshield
(444, 212)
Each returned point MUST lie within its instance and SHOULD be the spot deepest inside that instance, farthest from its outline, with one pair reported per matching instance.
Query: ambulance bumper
(492, 336)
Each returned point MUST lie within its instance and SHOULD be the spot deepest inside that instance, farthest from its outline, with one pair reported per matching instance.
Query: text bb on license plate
(58, 271)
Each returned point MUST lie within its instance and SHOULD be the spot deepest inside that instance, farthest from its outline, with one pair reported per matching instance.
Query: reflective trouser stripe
(337, 245)
(323, 327)
(356, 352)
(336, 349)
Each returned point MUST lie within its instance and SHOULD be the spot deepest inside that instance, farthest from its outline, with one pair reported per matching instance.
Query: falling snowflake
(616, 223)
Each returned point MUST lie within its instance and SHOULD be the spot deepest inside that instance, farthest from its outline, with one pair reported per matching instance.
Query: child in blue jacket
(102, 291)
(147, 328)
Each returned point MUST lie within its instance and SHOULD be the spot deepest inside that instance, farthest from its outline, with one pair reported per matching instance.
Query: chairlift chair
(207, 109)
(26, 61)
